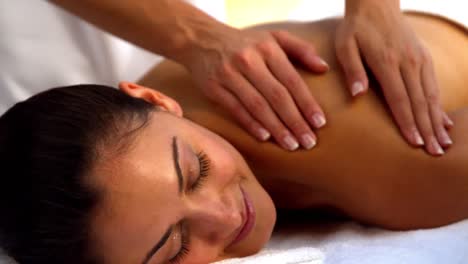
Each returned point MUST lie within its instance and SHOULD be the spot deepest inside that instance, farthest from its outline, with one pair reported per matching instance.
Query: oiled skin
(361, 166)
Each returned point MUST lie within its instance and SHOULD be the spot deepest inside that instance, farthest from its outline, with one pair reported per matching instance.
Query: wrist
(359, 7)
(193, 33)
(196, 38)
(202, 39)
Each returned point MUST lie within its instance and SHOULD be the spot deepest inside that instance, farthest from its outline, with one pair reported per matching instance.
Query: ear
(151, 96)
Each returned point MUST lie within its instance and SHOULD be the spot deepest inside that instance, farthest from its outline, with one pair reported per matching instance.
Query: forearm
(171, 28)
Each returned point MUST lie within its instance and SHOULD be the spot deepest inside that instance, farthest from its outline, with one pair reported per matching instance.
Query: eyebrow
(180, 180)
(158, 245)
(175, 157)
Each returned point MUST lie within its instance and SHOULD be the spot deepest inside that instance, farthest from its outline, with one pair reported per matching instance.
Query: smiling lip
(249, 218)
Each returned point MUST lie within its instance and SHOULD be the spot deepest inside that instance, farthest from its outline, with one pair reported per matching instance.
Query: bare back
(361, 161)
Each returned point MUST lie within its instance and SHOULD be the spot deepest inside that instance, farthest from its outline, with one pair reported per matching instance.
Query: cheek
(225, 166)
(203, 253)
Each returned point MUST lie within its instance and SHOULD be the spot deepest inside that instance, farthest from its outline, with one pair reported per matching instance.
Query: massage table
(338, 242)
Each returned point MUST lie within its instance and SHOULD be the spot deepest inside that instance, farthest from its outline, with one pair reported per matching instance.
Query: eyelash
(204, 164)
(184, 248)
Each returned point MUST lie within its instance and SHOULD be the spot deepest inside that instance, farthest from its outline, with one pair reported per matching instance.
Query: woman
(94, 175)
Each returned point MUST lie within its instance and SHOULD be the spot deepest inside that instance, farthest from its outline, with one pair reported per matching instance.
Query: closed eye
(185, 245)
(204, 165)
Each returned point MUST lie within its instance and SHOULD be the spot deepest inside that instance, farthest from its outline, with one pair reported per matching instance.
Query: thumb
(347, 52)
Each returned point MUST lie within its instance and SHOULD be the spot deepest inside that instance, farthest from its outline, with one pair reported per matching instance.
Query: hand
(377, 32)
(249, 74)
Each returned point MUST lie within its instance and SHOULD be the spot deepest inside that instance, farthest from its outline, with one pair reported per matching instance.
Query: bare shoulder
(359, 151)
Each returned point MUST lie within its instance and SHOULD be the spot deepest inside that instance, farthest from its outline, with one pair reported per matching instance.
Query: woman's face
(179, 194)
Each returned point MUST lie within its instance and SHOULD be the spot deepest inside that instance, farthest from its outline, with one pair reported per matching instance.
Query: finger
(284, 105)
(288, 76)
(234, 107)
(280, 101)
(398, 101)
(448, 122)
(421, 109)
(431, 89)
(300, 50)
(347, 52)
(258, 107)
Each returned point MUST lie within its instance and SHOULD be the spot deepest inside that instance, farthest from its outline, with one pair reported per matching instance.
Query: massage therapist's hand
(249, 74)
(246, 72)
(375, 32)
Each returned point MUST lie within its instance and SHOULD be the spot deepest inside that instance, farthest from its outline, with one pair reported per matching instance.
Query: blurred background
(241, 13)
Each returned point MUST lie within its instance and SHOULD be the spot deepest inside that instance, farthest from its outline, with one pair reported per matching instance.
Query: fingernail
(357, 88)
(322, 62)
(449, 121)
(290, 142)
(418, 138)
(308, 141)
(318, 120)
(437, 148)
(446, 138)
(263, 134)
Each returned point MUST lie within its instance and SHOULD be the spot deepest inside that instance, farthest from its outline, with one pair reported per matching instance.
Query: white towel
(351, 243)
(301, 255)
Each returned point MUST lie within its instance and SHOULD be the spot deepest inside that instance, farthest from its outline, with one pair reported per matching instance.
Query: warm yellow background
(241, 13)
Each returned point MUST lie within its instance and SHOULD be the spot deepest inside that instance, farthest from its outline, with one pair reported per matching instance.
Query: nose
(215, 217)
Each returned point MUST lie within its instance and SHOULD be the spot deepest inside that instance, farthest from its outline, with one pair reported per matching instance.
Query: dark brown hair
(48, 144)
